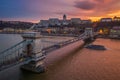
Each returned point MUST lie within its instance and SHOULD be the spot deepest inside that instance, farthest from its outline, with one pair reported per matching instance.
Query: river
(7, 40)
(80, 64)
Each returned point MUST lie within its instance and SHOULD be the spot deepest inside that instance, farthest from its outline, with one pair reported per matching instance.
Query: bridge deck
(83, 64)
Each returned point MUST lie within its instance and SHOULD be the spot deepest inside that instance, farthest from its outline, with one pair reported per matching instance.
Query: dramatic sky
(35, 10)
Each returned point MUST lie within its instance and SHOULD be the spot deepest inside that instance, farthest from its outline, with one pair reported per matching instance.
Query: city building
(116, 18)
(44, 23)
(106, 20)
(115, 32)
(54, 21)
(64, 17)
(86, 21)
(64, 21)
(76, 20)
(8, 29)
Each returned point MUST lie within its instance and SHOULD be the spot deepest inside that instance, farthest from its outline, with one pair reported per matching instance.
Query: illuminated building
(116, 18)
(106, 20)
(115, 32)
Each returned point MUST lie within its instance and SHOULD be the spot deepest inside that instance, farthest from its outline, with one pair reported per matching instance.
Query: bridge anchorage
(34, 53)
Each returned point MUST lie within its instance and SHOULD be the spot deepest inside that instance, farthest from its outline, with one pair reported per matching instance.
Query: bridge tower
(34, 53)
(89, 32)
(89, 35)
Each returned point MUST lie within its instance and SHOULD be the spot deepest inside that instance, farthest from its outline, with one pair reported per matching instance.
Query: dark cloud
(100, 1)
(86, 5)
(96, 7)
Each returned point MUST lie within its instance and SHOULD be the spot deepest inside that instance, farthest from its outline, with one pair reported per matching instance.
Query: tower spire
(64, 17)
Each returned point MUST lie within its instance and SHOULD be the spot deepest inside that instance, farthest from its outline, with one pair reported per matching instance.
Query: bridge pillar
(33, 53)
(89, 34)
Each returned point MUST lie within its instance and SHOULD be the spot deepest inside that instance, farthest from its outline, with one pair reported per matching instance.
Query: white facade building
(64, 21)
(116, 18)
(106, 20)
(44, 23)
(86, 21)
(76, 20)
(54, 21)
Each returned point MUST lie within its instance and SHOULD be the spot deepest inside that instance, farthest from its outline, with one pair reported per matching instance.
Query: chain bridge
(31, 52)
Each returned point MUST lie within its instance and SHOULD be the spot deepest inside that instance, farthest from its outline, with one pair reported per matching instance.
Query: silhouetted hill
(15, 24)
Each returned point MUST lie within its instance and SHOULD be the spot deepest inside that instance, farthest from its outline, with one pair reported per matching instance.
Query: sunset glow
(114, 13)
(35, 10)
(95, 18)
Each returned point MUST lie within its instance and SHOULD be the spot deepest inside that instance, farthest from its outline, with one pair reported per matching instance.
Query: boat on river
(95, 47)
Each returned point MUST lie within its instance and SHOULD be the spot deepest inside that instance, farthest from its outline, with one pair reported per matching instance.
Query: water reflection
(83, 64)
